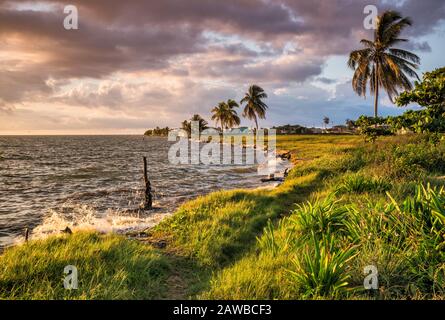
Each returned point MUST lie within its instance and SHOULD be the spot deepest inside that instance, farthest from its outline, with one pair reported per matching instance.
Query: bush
(362, 184)
(321, 270)
(319, 218)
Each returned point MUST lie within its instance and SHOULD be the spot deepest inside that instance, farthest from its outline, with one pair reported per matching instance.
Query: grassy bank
(345, 205)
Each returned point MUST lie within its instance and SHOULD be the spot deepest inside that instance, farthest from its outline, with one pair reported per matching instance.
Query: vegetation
(109, 266)
(326, 121)
(292, 129)
(382, 65)
(430, 94)
(344, 206)
(255, 107)
(226, 115)
(160, 132)
(187, 125)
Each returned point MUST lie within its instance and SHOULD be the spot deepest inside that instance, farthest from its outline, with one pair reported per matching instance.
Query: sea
(48, 183)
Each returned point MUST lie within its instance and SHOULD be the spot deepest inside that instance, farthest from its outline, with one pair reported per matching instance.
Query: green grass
(109, 267)
(344, 206)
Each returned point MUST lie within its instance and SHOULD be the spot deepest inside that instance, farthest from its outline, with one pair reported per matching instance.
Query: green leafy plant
(267, 240)
(320, 218)
(321, 270)
(361, 184)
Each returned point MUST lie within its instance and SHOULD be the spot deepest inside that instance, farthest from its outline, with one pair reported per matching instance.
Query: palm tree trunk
(376, 98)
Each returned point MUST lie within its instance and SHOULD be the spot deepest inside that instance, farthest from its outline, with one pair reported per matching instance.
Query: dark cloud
(238, 41)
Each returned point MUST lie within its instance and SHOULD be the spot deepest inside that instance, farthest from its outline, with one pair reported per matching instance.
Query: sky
(133, 65)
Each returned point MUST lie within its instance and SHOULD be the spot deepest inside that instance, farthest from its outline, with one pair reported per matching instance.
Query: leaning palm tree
(219, 114)
(380, 63)
(225, 114)
(203, 124)
(231, 117)
(255, 108)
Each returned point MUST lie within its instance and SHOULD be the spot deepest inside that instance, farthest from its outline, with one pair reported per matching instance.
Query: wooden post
(26, 234)
(148, 202)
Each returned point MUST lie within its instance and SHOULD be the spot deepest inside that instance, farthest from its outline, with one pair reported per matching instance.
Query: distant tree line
(159, 132)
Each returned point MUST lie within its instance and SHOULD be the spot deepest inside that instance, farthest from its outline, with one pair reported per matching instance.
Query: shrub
(362, 184)
(320, 218)
(322, 269)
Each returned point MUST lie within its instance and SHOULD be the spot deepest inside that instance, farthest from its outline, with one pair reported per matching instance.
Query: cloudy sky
(136, 64)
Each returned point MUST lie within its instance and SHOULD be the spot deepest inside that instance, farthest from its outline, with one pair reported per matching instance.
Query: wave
(86, 218)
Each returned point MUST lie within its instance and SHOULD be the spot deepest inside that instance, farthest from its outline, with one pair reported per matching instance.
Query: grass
(345, 205)
(109, 267)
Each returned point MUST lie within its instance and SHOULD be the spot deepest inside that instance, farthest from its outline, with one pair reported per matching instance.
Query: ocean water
(50, 182)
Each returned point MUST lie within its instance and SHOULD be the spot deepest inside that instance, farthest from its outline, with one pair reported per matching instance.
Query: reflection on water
(48, 182)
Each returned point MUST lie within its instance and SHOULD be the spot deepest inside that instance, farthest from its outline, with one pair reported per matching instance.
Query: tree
(430, 94)
(187, 125)
(226, 114)
(326, 121)
(350, 124)
(255, 107)
(382, 65)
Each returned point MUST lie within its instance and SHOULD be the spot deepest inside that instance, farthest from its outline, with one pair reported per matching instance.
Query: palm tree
(219, 114)
(255, 108)
(326, 121)
(231, 117)
(226, 114)
(187, 125)
(203, 124)
(380, 63)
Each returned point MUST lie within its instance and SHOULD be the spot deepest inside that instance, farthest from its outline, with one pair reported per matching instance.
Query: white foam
(85, 218)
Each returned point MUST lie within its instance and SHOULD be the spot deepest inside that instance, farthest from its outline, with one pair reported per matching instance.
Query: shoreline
(152, 218)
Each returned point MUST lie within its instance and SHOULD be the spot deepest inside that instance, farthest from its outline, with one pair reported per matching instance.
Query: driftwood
(148, 201)
(67, 230)
(26, 234)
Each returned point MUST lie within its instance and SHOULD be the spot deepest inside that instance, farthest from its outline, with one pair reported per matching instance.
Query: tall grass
(321, 269)
(361, 184)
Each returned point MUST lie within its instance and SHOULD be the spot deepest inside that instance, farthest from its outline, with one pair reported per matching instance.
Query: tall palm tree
(226, 114)
(380, 63)
(255, 107)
